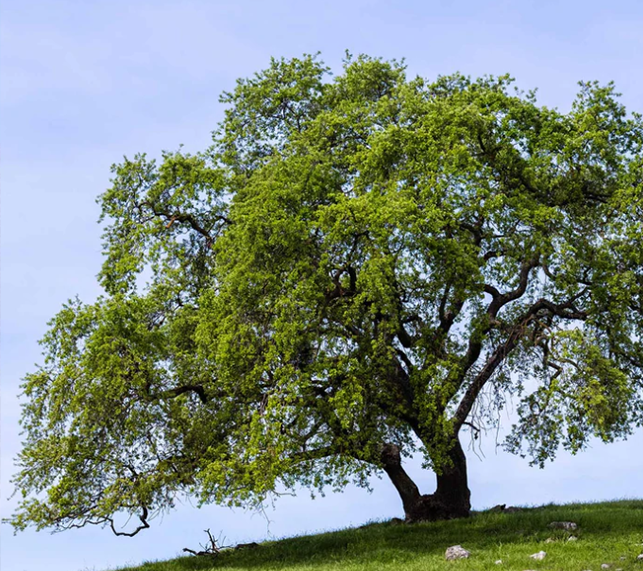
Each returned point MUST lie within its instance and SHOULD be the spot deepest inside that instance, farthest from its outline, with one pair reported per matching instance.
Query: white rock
(566, 525)
(550, 540)
(456, 552)
(499, 562)
(639, 557)
(572, 538)
(605, 566)
(539, 556)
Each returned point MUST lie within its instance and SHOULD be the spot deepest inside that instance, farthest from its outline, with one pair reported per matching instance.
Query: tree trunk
(451, 498)
(406, 487)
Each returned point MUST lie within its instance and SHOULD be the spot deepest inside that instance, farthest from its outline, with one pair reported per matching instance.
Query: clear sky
(85, 82)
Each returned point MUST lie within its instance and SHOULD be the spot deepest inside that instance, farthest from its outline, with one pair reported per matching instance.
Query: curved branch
(173, 393)
(499, 300)
(186, 219)
(565, 310)
(144, 525)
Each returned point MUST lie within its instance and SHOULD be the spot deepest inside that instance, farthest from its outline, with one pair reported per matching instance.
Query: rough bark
(451, 498)
(403, 484)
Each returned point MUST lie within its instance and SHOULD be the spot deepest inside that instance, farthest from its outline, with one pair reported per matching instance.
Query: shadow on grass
(385, 543)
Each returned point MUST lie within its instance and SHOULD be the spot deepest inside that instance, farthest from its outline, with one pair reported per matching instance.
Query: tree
(358, 268)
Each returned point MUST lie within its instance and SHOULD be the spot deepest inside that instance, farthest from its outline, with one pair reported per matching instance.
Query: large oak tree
(359, 268)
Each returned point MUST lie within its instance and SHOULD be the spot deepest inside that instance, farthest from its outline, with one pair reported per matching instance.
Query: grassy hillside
(609, 533)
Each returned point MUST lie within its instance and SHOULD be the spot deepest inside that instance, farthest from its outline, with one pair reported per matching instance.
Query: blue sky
(86, 82)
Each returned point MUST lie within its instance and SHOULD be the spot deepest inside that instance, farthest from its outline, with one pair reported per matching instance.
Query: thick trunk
(403, 484)
(453, 488)
(451, 498)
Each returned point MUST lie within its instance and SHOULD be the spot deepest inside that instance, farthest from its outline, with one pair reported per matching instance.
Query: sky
(84, 83)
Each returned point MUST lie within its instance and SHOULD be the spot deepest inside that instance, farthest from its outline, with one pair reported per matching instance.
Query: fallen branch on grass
(212, 549)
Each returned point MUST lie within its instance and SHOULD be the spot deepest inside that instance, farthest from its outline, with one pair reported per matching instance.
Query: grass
(610, 533)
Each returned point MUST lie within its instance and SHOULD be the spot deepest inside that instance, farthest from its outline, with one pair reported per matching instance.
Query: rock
(639, 557)
(622, 558)
(503, 508)
(605, 566)
(539, 556)
(550, 540)
(251, 545)
(572, 538)
(456, 552)
(566, 525)
(499, 562)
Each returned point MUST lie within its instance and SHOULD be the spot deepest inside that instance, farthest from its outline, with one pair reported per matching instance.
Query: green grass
(607, 532)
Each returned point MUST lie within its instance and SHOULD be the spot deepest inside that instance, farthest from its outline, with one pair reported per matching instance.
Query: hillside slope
(608, 533)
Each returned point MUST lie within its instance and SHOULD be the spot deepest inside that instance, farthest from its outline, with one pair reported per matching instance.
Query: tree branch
(316, 454)
(186, 219)
(144, 525)
(499, 300)
(173, 393)
(565, 310)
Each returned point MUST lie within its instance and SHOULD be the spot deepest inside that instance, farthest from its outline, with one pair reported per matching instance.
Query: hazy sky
(86, 82)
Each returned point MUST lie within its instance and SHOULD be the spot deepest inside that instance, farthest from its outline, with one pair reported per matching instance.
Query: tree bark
(451, 498)
(406, 487)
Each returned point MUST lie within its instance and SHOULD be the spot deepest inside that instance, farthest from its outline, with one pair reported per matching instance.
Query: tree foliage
(357, 260)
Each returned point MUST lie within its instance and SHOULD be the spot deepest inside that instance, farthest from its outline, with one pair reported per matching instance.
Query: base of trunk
(451, 498)
(431, 507)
